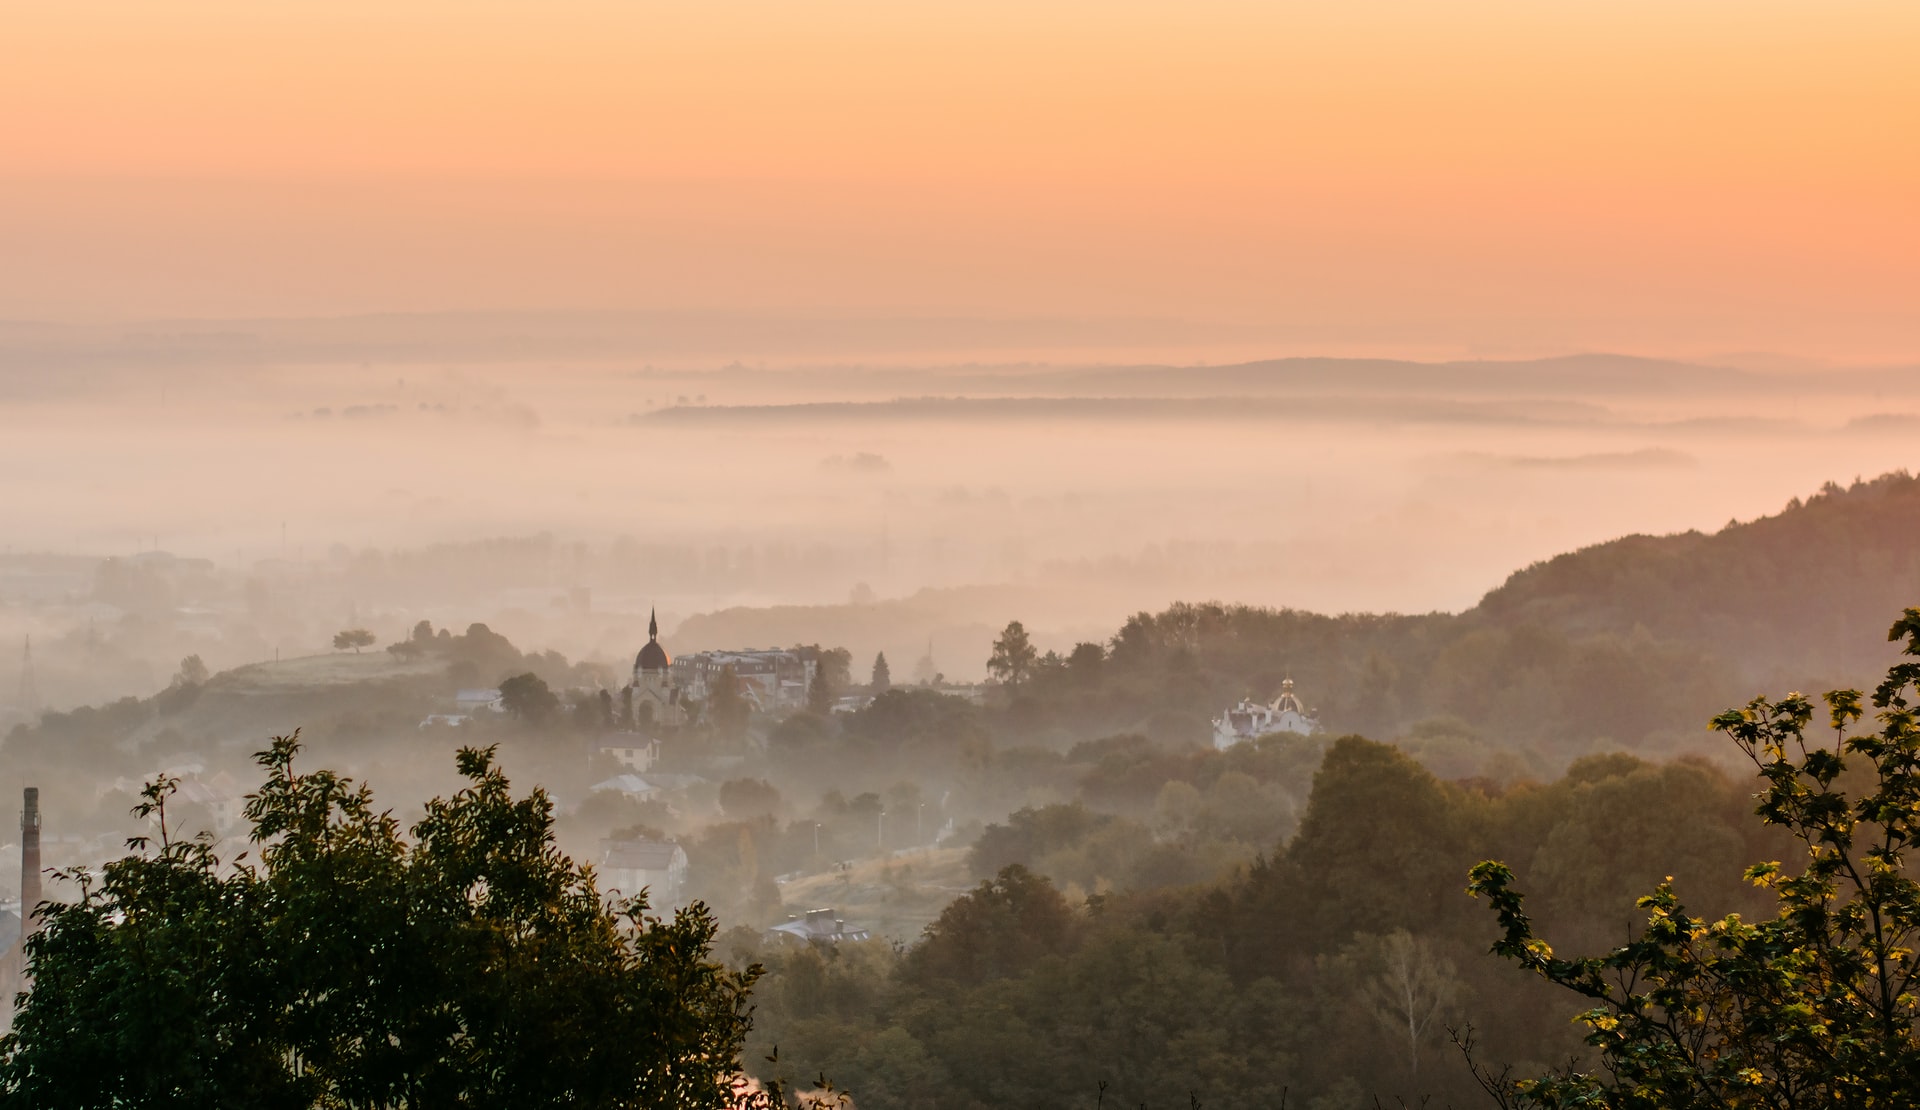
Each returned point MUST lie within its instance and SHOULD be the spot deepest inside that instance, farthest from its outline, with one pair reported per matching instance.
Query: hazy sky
(1657, 177)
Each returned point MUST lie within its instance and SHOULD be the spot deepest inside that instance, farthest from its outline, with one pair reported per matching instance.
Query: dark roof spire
(652, 657)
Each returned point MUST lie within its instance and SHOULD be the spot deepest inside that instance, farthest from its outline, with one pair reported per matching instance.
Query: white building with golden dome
(1250, 720)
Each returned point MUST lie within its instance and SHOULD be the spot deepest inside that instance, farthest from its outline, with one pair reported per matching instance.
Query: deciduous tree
(469, 964)
(355, 638)
(727, 705)
(1814, 1006)
(528, 697)
(1013, 655)
(192, 672)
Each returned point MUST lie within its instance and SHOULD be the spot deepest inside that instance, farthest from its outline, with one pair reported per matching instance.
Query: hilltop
(1781, 598)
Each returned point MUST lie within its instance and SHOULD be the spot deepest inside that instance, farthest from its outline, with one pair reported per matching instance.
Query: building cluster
(1250, 720)
(665, 694)
(771, 681)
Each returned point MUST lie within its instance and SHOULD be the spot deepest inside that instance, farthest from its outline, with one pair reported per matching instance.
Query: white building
(633, 786)
(772, 680)
(634, 757)
(1251, 720)
(658, 867)
(470, 702)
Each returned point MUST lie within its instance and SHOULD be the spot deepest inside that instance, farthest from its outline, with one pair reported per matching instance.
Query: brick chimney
(29, 858)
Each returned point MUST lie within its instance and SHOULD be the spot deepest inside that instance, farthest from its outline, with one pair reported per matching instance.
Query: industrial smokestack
(29, 858)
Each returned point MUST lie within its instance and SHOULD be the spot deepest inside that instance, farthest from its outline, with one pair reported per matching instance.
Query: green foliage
(727, 708)
(1814, 1006)
(997, 930)
(834, 664)
(193, 672)
(529, 698)
(1792, 590)
(1388, 869)
(1084, 663)
(1029, 834)
(747, 799)
(471, 964)
(820, 695)
(882, 678)
(920, 718)
(355, 638)
(1330, 967)
(1013, 656)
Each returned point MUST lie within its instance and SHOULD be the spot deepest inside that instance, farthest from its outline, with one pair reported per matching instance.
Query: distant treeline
(1630, 644)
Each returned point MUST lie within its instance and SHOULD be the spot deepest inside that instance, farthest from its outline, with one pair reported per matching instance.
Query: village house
(631, 865)
(822, 926)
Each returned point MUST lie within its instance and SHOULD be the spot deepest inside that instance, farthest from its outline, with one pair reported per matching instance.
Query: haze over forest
(377, 471)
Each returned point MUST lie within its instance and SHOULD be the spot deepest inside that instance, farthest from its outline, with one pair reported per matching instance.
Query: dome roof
(653, 657)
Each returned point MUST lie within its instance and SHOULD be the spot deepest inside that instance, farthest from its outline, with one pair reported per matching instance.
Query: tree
(1812, 1007)
(1408, 990)
(819, 693)
(1013, 656)
(592, 710)
(528, 697)
(727, 706)
(747, 799)
(996, 930)
(882, 675)
(423, 632)
(835, 663)
(355, 638)
(1085, 661)
(470, 963)
(192, 672)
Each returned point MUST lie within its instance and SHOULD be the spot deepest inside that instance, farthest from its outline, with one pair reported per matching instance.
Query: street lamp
(880, 832)
(816, 840)
(920, 824)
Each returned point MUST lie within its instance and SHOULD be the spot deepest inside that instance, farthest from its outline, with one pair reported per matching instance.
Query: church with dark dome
(656, 699)
(665, 689)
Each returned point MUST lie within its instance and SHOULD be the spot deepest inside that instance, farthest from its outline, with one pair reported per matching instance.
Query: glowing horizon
(1637, 178)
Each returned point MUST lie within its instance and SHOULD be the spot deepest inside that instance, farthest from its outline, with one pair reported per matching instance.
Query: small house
(629, 866)
(822, 926)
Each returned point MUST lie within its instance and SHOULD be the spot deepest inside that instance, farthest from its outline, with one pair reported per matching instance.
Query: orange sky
(1642, 176)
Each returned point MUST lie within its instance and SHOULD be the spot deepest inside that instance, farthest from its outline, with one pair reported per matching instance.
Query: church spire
(653, 624)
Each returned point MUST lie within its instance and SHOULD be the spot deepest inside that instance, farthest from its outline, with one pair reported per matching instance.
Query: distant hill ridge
(1788, 594)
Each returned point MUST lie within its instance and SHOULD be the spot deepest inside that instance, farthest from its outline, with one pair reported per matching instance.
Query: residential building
(629, 866)
(822, 926)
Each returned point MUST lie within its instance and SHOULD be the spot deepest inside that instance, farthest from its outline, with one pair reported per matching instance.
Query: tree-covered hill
(1779, 597)
(1321, 975)
(1629, 644)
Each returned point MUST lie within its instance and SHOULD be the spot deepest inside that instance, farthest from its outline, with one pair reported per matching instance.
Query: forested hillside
(1631, 644)
(1329, 972)
(1778, 598)
(1284, 916)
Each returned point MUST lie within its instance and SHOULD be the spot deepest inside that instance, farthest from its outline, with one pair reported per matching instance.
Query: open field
(894, 898)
